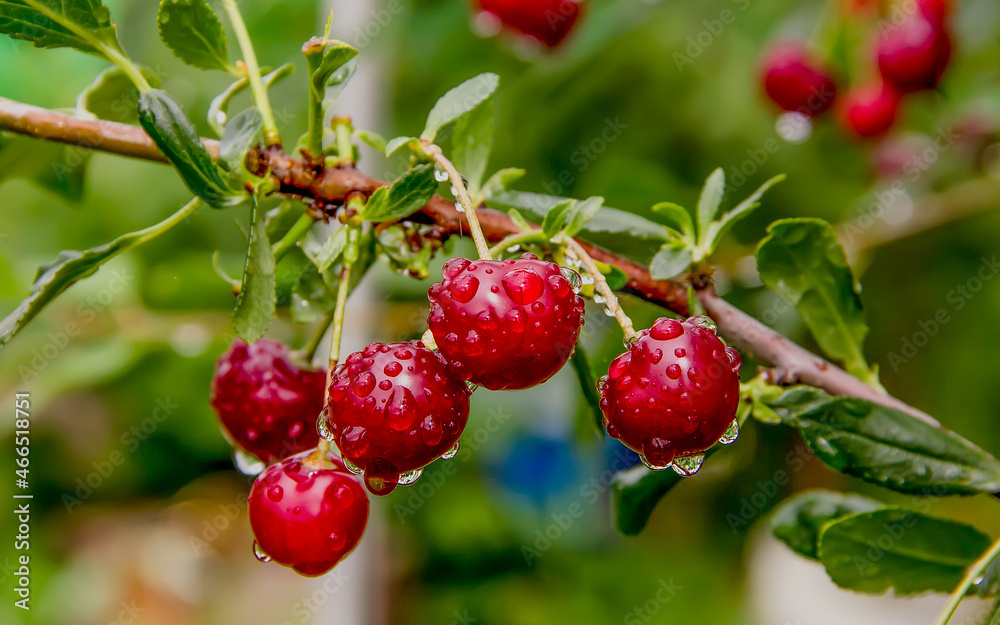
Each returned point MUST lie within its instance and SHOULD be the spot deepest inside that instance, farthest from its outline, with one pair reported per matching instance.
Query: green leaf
(501, 181)
(56, 167)
(375, 140)
(637, 491)
(677, 219)
(458, 102)
(325, 57)
(257, 301)
(583, 213)
(886, 446)
(242, 132)
(672, 260)
(614, 276)
(519, 220)
(471, 143)
(718, 229)
(193, 32)
(906, 551)
(409, 193)
(69, 267)
(798, 520)
(711, 199)
(218, 114)
(169, 127)
(609, 220)
(113, 96)
(331, 250)
(802, 260)
(556, 218)
(82, 24)
(312, 297)
(395, 144)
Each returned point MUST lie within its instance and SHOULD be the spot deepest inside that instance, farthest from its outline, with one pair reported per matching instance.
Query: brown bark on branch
(332, 185)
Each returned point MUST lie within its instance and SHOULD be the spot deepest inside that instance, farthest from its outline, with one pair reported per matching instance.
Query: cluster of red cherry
(912, 51)
(395, 408)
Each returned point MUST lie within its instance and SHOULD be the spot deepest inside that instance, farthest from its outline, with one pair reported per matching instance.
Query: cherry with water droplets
(673, 394)
(394, 409)
(505, 325)
(307, 513)
(266, 403)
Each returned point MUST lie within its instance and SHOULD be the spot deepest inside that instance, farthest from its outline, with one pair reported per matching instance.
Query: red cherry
(795, 82)
(871, 110)
(937, 11)
(307, 514)
(506, 324)
(674, 394)
(267, 404)
(548, 21)
(914, 55)
(393, 410)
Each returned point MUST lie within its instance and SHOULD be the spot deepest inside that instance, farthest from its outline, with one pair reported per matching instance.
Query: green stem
(293, 236)
(260, 98)
(335, 336)
(463, 198)
(973, 573)
(309, 349)
(112, 53)
(535, 236)
(345, 147)
(574, 249)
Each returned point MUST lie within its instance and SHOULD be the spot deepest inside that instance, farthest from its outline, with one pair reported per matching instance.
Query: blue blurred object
(538, 468)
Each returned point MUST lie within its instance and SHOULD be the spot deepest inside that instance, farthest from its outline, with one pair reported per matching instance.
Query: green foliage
(165, 121)
(193, 32)
(711, 199)
(82, 24)
(113, 96)
(459, 102)
(802, 260)
(908, 552)
(673, 259)
(472, 141)
(69, 267)
(405, 196)
(256, 304)
(799, 519)
(241, 132)
(887, 447)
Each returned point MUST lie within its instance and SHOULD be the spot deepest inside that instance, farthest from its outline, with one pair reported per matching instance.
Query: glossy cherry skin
(306, 513)
(795, 82)
(548, 21)
(871, 110)
(914, 55)
(504, 325)
(393, 409)
(674, 393)
(266, 403)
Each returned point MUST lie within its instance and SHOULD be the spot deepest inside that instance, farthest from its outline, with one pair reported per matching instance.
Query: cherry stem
(462, 194)
(295, 234)
(973, 573)
(335, 336)
(257, 88)
(577, 251)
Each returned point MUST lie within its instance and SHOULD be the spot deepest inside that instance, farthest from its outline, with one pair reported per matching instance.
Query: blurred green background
(152, 322)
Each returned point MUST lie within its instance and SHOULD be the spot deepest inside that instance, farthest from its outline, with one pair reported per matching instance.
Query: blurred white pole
(357, 600)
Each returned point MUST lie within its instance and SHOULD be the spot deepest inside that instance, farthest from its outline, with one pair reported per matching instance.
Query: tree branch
(325, 186)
